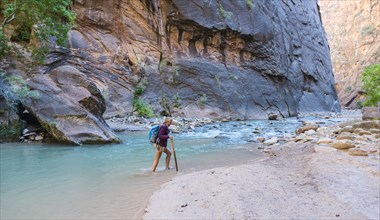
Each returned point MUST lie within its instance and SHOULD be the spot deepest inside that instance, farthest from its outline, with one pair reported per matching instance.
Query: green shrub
(17, 90)
(176, 101)
(203, 100)
(4, 48)
(39, 54)
(224, 13)
(368, 30)
(359, 105)
(371, 84)
(249, 4)
(10, 131)
(348, 89)
(45, 18)
(165, 105)
(142, 109)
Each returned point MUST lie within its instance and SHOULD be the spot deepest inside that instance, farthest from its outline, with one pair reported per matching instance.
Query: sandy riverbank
(296, 180)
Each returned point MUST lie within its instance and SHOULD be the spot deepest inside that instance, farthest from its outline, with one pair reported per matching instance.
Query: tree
(371, 84)
(46, 19)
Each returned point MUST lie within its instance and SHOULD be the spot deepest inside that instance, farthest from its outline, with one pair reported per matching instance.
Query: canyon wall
(241, 59)
(353, 32)
(213, 58)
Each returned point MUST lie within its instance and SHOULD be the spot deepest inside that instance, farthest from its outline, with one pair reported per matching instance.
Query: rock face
(353, 31)
(70, 107)
(213, 58)
(370, 113)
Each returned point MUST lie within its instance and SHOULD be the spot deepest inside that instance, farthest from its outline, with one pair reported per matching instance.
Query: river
(46, 181)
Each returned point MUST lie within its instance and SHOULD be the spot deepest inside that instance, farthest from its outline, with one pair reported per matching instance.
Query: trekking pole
(175, 157)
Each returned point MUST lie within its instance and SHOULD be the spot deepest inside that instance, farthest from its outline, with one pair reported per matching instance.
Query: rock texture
(69, 107)
(353, 31)
(371, 113)
(240, 59)
(204, 58)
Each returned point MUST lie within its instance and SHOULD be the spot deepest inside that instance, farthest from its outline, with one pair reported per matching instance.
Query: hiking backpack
(153, 134)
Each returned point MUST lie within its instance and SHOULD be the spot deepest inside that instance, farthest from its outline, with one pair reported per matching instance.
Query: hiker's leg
(156, 159)
(168, 154)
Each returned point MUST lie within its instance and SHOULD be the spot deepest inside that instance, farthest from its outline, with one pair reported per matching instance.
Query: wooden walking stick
(175, 157)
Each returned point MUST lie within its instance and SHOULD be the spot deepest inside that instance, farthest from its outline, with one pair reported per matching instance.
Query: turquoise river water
(45, 181)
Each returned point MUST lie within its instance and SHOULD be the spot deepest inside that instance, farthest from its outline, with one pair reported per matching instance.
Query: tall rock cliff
(205, 58)
(353, 31)
(215, 58)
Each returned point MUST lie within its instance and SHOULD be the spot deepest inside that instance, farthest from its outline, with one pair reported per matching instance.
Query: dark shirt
(163, 135)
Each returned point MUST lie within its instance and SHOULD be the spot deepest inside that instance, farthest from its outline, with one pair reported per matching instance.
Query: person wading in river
(161, 145)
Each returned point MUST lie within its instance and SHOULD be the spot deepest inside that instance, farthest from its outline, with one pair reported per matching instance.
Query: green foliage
(177, 101)
(42, 18)
(163, 63)
(176, 70)
(222, 11)
(166, 66)
(371, 84)
(348, 89)
(225, 14)
(249, 4)
(139, 106)
(4, 48)
(142, 108)
(39, 54)
(140, 88)
(18, 89)
(165, 105)
(359, 105)
(10, 131)
(217, 79)
(368, 30)
(105, 94)
(202, 100)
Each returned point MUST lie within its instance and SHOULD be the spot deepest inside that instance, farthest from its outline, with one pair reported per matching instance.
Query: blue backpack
(153, 134)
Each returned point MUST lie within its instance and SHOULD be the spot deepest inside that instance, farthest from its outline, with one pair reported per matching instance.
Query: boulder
(374, 131)
(361, 131)
(307, 128)
(370, 113)
(260, 139)
(324, 141)
(343, 145)
(357, 152)
(366, 125)
(271, 141)
(345, 136)
(310, 132)
(347, 129)
(70, 107)
(272, 116)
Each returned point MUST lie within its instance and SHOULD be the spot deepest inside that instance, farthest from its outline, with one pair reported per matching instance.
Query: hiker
(162, 141)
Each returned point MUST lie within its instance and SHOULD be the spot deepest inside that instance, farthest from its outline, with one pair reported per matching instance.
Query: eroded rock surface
(353, 31)
(222, 59)
(70, 107)
(206, 58)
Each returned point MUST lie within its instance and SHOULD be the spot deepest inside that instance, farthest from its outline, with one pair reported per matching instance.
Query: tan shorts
(159, 148)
